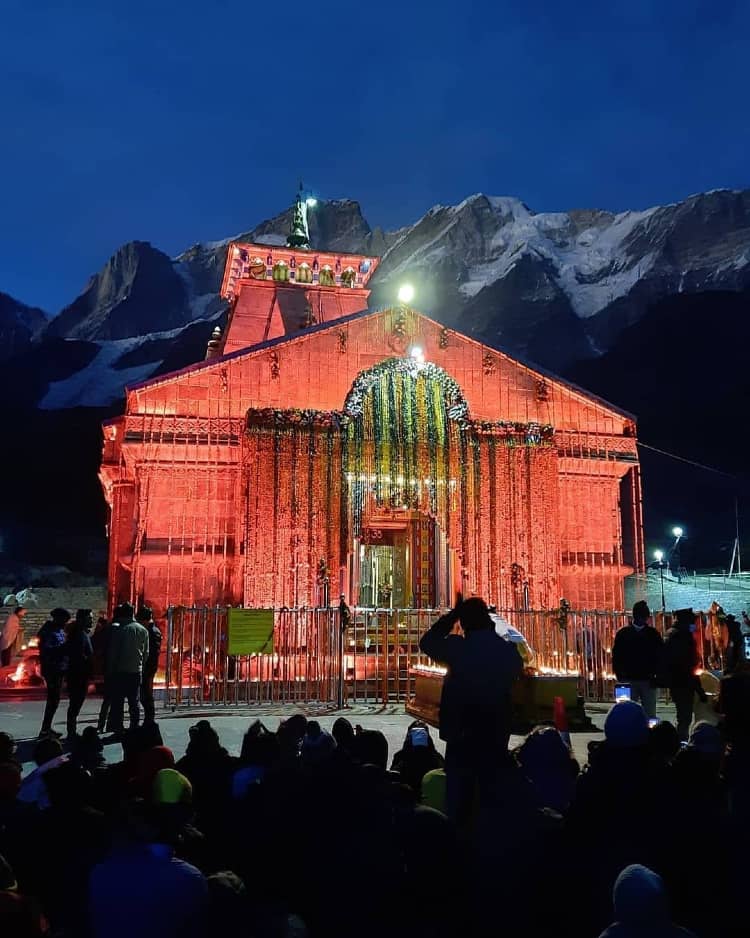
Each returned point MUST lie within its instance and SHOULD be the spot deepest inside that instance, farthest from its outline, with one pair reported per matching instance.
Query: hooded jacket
(641, 908)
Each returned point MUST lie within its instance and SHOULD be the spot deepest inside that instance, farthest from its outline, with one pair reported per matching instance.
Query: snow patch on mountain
(101, 383)
(591, 267)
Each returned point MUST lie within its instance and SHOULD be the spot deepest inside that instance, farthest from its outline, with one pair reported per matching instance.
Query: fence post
(168, 661)
(337, 626)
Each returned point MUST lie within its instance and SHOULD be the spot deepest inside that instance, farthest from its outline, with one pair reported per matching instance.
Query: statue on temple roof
(299, 237)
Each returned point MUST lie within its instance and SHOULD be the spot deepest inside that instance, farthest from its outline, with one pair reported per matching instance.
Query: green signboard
(250, 631)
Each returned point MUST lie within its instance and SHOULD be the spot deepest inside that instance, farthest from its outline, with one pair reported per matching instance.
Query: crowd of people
(644, 661)
(124, 653)
(306, 832)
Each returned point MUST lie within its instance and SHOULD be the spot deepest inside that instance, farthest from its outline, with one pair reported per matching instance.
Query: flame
(18, 675)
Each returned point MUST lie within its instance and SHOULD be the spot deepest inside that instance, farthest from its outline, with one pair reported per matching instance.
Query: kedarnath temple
(325, 449)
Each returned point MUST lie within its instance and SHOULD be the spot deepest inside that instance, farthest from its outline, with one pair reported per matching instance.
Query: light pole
(659, 557)
(674, 553)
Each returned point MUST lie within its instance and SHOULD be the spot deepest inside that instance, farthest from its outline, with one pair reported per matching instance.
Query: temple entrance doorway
(401, 561)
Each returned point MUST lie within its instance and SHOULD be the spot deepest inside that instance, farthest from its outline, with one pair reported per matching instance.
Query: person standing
(637, 658)
(681, 663)
(80, 655)
(128, 652)
(9, 635)
(734, 654)
(145, 616)
(475, 707)
(52, 648)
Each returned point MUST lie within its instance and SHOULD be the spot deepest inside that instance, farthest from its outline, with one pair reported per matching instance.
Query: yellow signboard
(250, 631)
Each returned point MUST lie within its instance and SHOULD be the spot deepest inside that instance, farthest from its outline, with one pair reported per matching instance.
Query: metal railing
(371, 661)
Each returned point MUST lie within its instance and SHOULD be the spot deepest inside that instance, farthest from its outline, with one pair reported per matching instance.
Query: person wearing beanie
(475, 704)
(433, 790)
(641, 907)
(626, 726)
(637, 658)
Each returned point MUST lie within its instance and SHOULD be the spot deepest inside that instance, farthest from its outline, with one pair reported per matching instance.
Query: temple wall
(202, 511)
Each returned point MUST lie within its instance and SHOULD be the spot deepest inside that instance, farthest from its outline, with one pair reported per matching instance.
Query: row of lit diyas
(535, 672)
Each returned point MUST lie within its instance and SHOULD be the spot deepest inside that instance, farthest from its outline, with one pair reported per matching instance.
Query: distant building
(324, 449)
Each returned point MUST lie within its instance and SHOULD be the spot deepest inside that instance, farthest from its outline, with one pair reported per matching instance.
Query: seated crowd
(306, 832)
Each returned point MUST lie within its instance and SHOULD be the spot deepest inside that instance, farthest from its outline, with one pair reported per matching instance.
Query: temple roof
(306, 333)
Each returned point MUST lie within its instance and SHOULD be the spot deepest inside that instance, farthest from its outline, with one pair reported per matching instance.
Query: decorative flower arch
(456, 406)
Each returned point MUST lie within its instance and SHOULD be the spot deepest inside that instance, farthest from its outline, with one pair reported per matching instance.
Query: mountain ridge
(556, 288)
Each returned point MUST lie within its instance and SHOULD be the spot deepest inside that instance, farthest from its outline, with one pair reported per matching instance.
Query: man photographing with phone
(475, 706)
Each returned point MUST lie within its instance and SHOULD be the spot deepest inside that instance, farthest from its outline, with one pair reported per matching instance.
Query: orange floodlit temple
(322, 448)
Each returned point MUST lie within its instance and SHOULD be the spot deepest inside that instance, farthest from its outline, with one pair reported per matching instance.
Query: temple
(322, 448)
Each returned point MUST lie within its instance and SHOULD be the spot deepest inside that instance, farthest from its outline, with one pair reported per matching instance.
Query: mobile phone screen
(622, 692)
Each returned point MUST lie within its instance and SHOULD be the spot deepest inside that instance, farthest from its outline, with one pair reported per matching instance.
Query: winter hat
(433, 789)
(706, 739)
(639, 897)
(626, 725)
(171, 787)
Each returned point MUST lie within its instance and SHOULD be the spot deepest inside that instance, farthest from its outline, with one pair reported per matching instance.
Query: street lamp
(659, 558)
(674, 553)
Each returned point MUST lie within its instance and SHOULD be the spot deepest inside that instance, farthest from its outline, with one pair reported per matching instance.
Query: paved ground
(23, 718)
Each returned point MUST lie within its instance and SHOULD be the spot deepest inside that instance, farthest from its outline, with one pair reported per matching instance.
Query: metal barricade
(304, 667)
(371, 661)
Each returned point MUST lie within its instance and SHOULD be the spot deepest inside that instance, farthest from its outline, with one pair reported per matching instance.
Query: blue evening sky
(177, 122)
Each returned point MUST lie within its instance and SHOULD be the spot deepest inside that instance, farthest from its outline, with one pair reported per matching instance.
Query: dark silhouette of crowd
(306, 832)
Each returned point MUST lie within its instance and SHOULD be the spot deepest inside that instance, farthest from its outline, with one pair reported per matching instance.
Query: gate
(371, 661)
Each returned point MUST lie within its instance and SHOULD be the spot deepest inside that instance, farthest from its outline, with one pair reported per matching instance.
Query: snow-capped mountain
(555, 288)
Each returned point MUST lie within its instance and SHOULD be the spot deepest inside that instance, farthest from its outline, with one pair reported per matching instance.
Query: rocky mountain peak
(136, 292)
(19, 323)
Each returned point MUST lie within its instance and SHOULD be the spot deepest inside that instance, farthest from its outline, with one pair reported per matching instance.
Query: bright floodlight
(659, 555)
(311, 203)
(678, 532)
(405, 293)
(417, 353)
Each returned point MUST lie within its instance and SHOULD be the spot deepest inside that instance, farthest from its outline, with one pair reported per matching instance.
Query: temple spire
(299, 237)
